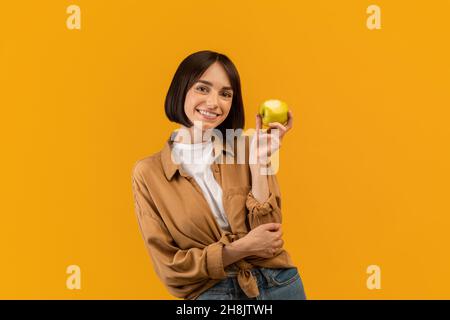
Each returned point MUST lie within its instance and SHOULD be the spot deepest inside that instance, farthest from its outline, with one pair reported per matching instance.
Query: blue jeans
(273, 284)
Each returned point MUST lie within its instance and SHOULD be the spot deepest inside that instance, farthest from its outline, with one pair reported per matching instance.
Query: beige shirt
(181, 235)
(196, 160)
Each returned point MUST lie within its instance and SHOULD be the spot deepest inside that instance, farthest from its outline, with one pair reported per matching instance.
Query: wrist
(240, 248)
(257, 168)
(233, 252)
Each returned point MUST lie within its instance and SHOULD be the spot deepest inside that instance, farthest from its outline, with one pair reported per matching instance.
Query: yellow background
(364, 173)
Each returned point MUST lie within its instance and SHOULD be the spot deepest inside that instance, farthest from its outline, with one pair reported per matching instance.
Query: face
(209, 99)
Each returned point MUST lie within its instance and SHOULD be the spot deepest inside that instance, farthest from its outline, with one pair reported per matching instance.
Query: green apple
(273, 111)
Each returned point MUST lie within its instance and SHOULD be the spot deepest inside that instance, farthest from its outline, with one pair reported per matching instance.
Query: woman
(209, 214)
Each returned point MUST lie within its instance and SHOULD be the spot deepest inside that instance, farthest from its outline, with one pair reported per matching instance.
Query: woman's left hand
(265, 143)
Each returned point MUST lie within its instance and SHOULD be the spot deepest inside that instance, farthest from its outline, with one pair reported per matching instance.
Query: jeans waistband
(233, 270)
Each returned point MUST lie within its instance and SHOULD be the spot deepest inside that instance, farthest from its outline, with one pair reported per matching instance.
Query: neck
(189, 135)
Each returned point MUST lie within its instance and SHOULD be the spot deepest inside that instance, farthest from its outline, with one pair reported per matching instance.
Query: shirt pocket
(234, 199)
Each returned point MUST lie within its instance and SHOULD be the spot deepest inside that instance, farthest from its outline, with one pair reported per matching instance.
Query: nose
(212, 101)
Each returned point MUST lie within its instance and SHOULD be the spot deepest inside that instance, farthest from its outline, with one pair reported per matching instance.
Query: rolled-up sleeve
(268, 211)
(174, 266)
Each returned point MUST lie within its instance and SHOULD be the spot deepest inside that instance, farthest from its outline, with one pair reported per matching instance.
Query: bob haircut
(188, 73)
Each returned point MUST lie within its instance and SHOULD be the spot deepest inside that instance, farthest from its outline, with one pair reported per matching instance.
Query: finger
(258, 129)
(273, 226)
(290, 121)
(273, 142)
(277, 125)
(258, 122)
(278, 243)
(277, 237)
(275, 249)
(278, 134)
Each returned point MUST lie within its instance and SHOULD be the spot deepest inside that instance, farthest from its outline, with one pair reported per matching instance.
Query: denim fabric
(273, 284)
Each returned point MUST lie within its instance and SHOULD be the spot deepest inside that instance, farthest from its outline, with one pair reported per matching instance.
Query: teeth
(206, 113)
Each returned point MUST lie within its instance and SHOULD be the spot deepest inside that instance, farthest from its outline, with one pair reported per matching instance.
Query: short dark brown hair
(188, 73)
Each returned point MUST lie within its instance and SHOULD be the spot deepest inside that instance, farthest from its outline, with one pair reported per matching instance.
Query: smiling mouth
(207, 114)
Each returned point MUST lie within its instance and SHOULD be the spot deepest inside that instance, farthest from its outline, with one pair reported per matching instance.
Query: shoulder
(144, 166)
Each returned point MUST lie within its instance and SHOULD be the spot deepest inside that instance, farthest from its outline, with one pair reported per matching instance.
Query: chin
(208, 126)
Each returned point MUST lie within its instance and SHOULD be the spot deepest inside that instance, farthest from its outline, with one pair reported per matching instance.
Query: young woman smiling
(213, 227)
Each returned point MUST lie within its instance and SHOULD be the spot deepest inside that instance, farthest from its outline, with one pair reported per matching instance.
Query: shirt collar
(170, 167)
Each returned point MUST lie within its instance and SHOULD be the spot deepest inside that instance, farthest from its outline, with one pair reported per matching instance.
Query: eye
(202, 88)
(227, 94)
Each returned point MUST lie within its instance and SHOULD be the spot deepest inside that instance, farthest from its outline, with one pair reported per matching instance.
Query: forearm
(233, 252)
(260, 185)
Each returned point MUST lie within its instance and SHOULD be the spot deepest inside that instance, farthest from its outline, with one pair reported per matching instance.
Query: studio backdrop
(364, 174)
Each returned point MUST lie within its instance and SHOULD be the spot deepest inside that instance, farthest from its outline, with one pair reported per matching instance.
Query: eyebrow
(210, 84)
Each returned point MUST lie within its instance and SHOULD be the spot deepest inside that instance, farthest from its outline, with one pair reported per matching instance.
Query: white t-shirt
(196, 159)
